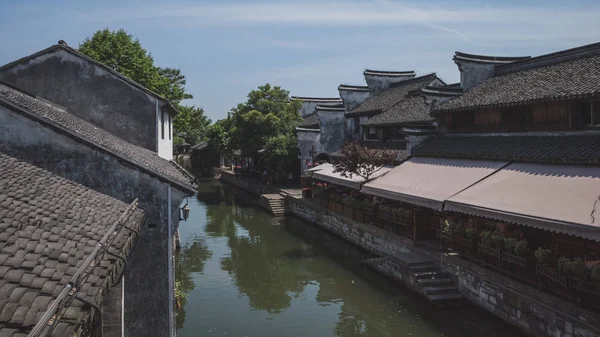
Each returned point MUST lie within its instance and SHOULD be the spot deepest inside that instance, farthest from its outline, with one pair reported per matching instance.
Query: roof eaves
(318, 99)
(308, 129)
(431, 76)
(487, 59)
(441, 109)
(389, 73)
(348, 87)
(61, 129)
(549, 59)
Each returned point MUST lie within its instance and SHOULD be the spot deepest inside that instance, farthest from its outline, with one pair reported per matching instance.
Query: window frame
(169, 126)
(162, 123)
(592, 114)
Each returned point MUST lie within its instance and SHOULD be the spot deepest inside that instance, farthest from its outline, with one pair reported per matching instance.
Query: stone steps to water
(430, 274)
(439, 290)
(432, 281)
(274, 203)
(435, 282)
(428, 267)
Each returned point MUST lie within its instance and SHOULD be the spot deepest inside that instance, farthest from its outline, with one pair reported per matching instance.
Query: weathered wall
(534, 312)
(378, 83)
(352, 129)
(307, 108)
(352, 98)
(89, 92)
(332, 130)
(473, 73)
(371, 238)
(252, 186)
(148, 298)
(306, 140)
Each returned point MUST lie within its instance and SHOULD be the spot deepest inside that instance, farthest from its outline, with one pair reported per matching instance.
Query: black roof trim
(453, 85)
(350, 87)
(549, 59)
(63, 46)
(389, 73)
(337, 107)
(442, 91)
(416, 79)
(318, 99)
(487, 59)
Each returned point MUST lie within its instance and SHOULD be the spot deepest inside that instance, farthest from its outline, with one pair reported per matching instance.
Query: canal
(246, 273)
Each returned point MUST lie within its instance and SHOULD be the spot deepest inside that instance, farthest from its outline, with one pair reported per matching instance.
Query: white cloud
(463, 22)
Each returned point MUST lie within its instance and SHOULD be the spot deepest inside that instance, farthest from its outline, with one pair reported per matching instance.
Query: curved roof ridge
(549, 59)
(487, 59)
(352, 87)
(415, 79)
(317, 99)
(444, 91)
(390, 72)
(331, 107)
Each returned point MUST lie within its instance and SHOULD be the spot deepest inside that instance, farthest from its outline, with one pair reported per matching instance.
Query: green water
(246, 273)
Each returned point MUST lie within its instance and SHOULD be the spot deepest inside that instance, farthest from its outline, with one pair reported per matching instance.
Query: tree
(267, 120)
(362, 161)
(192, 123)
(123, 53)
(218, 135)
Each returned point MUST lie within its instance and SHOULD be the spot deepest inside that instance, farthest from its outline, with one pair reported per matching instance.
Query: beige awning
(428, 181)
(326, 174)
(560, 198)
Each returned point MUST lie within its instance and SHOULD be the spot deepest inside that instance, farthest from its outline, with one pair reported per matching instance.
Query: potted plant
(543, 256)
(522, 249)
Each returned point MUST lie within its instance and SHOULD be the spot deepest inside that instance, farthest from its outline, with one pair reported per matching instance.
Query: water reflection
(249, 274)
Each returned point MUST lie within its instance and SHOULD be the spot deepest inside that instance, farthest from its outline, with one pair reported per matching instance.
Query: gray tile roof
(48, 226)
(310, 122)
(143, 158)
(570, 74)
(581, 148)
(412, 109)
(391, 96)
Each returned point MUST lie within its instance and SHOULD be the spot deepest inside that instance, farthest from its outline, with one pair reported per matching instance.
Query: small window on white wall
(169, 126)
(162, 123)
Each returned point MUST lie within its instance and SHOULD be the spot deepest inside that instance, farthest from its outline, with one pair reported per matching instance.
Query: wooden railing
(372, 216)
(563, 285)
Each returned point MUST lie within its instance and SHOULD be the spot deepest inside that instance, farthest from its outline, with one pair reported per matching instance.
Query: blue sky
(227, 48)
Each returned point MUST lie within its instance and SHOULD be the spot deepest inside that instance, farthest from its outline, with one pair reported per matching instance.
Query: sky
(227, 48)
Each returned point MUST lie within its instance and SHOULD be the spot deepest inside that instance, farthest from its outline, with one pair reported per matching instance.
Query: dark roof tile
(138, 156)
(310, 122)
(566, 148)
(412, 109)
(26, 292)
(391, 96)
(570, 74)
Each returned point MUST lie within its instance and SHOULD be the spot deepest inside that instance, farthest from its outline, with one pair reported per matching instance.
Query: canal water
(246, 273)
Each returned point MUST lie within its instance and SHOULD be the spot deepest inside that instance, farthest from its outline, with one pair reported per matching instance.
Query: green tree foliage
(218, 135)
(267, 120)
(123, 53)
(192, 123)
